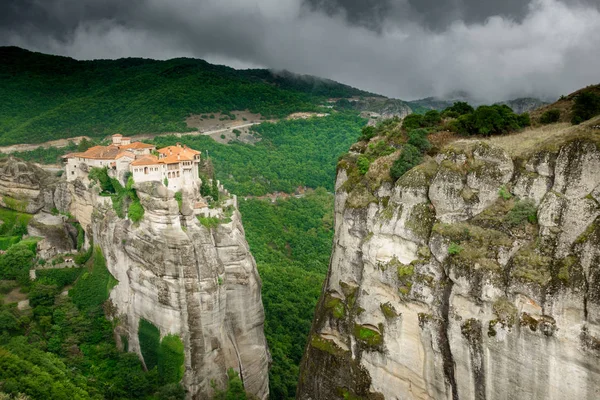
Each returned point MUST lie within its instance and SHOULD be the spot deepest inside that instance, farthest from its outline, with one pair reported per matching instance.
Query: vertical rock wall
(444, 286)
(197, 282)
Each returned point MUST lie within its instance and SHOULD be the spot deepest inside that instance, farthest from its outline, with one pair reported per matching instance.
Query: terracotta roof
(98, 153)
(176, 159)
(137, 146)
(146, 160)
(125, 154)
(125, 138)
(176, 150)
(117, 135)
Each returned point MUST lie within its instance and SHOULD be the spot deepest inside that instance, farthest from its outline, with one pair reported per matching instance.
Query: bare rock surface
(474, 276)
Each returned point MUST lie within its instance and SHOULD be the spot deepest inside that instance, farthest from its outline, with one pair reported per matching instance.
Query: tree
(42, 295)
(410, 157)
(431, 118)
(16, 262)
(459, 108)
(412, 121)
(586, 106)
(550, 116)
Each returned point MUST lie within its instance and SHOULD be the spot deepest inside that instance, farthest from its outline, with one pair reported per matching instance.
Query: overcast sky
(494, 49)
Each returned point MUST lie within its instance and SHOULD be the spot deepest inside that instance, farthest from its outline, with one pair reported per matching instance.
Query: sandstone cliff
(187, 279)
(476, 275)
(198, 282)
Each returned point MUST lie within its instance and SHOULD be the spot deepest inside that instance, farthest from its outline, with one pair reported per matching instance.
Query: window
(72, 172)
(178, 174)
(146, 170)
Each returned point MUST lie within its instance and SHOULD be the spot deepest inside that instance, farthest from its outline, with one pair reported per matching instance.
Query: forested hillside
(291, 242)
(290, 153)
(47, 97)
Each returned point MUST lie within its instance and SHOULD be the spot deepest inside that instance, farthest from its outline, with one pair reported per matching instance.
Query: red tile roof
(146, 160)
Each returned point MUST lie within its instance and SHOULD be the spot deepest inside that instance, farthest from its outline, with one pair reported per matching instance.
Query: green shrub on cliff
(409, 158)
(490, 120)
(586, 106)
(550, 116)
(523, 211)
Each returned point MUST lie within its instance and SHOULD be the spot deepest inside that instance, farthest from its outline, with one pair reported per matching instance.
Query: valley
(422, 249)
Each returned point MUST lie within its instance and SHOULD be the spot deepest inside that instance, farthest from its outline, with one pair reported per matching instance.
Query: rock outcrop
(198, 282)
(25, 187)
(476, 275)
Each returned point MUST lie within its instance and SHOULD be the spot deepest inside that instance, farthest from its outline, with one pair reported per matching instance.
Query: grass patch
(209, 222)
(327, 346)
(367, 335)
(336, 306)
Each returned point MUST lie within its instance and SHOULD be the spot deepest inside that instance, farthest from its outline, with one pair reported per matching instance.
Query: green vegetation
(586, 106)
(367, 335)
(290, 154)
(170, 359)
(409, 157)
(490, 120)
(101, 97)
(94, 285)
(15, 264)
(291, 242)
(457, 109)
(179, 199)
(136, 211)
(209, 222)
(326, 345)
(149, 337)
(124, 199)
(51, 155)
(58, 350)
(504, 193)
(59, 277)
(336, 306)
(14, 223)
(388, 310)
(550, 117)
(234, 390)
(454, 249)
(523, 211)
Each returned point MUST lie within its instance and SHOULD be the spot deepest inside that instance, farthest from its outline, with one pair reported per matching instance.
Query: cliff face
(197, 282)
(475, 276)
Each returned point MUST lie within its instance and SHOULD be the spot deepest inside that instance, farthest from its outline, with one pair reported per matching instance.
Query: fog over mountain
(401, 48)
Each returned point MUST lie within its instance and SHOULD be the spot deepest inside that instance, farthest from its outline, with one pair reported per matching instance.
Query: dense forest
(47, 97)
(291, 242)
(63, 347)
(291, 153)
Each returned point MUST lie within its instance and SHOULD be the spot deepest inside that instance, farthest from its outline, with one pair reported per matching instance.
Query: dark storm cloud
(401, 48)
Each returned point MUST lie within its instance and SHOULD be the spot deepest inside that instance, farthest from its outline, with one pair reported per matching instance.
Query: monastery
(176, 166)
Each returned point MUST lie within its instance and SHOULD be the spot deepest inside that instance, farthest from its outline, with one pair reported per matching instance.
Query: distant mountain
(524, 104)
(440, 103)
(376, 107)
(47, 97)
(519, 106)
